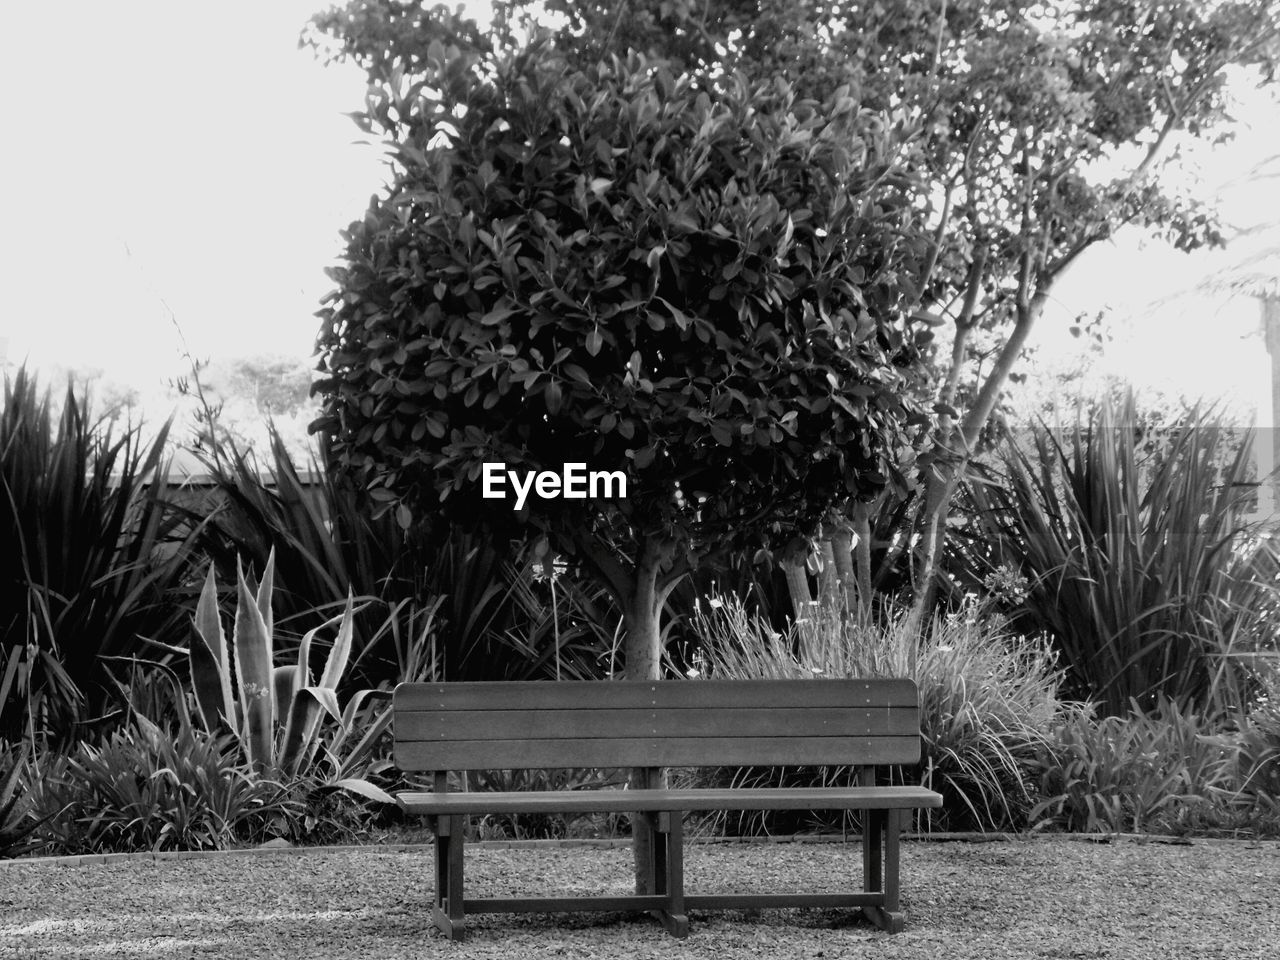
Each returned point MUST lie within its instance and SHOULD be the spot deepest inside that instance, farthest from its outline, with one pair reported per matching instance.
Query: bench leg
(665, 872)
(643, 835)
(671, 878)
(882, 875)
(447, 910)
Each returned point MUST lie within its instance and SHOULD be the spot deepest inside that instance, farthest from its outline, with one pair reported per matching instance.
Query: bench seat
(630, 801)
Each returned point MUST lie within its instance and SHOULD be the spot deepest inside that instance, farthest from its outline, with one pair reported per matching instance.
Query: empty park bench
(442, 727)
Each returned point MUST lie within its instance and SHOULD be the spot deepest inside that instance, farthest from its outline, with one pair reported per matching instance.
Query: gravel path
(1034, 898)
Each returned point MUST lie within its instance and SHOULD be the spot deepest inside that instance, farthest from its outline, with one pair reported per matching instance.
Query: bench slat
(597, 801)
(654, 752)
(555, 724)
(664, 695)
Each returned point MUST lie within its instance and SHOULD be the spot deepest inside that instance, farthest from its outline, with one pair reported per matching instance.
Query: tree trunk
(642, 651)
(798, 587)
(862, 548)
(842, 547)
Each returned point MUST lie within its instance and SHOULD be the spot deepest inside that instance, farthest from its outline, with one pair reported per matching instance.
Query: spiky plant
(1137, 561)
(17, 824)
(287, 722)
(92, 554)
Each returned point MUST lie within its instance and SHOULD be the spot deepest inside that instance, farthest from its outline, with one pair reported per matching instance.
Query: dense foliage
(1134, 555)
(697, 285)
(989, 698)
(91, 557)
(1015, 171)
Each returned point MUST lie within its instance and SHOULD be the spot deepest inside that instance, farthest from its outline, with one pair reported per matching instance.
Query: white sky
(191, 154)
(171, 151)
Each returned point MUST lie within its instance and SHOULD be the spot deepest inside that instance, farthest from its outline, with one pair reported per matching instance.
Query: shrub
(144, 788)
(1259, 738)
(91, 553)
(1162, 771)
(988, 698)
(17, 824)
(1136, 561)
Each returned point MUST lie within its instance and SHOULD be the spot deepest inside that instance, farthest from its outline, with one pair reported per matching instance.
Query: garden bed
(1039, 897)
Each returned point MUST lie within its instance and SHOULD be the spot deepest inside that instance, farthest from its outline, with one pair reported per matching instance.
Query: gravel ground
(1023, 898)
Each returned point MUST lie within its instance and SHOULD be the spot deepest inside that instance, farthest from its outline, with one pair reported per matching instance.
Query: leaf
(336, 663)
(594, 341)
(497, 314)
(264, 592)
(251, 644)
(364, 788)
(553, 397)
(679, 316)
(210, 670)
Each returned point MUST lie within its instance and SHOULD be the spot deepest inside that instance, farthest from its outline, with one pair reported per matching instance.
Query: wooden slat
(557, 724)
(685, 752)
(666, 695)
(635, 801)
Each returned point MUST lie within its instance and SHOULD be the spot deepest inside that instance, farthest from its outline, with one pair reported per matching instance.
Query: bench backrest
(666, 723)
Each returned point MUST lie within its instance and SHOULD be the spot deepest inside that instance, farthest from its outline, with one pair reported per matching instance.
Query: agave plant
(281, 716)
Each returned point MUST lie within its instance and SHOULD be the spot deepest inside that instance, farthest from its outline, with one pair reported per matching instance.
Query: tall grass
(1137, 562)
(91, 553)
(988, 697)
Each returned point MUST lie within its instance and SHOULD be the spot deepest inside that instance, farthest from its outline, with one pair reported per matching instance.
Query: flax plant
(1138, 562)
(92, 554)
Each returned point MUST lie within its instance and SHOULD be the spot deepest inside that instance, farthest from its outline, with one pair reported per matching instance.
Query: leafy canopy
(698, 282)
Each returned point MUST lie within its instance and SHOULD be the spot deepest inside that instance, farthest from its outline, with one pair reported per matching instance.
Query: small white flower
(715, 604)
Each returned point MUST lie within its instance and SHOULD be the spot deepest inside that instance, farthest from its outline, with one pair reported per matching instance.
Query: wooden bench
(671, 723)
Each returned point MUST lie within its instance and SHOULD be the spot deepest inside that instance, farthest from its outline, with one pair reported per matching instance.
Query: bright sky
(190, 155)
(178, 153)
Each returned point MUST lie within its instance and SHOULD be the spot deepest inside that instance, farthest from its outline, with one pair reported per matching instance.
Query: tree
(274, 385)
(696, 282)
(1043, 128)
